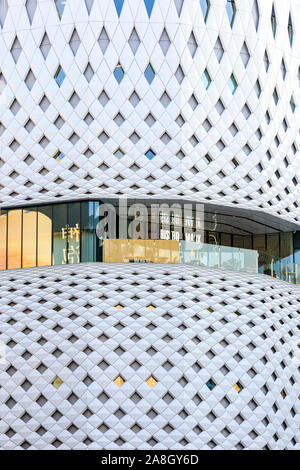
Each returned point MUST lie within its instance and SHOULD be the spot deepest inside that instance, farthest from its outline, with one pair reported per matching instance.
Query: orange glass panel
(3, 225)
(29, 238)
(134, 251)
(44, 236)
(14, 239)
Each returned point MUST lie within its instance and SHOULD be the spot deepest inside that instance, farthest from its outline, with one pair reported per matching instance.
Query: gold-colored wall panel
(29, 238)
(151, 251)
(3, 228)
(14, 239)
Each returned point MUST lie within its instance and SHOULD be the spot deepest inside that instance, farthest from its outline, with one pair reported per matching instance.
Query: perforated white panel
(198, 332)
(104, 128)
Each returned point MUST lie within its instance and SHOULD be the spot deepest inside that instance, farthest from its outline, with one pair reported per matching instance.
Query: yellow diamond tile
(151, 307)
(236, 387)
(119, 307)
(119, 381)
(57, 382)
(151, 382)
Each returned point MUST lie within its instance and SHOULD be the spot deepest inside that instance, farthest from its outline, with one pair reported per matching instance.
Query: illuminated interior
(66, 233)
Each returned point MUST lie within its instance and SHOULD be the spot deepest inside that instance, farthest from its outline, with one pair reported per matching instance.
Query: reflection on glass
(273, 254)
(226, 257)
(286, 246)
(213, 238)
(29, 238)
(238, 241)
(259, 244)
(286, 255)
(297, 256)
(225, 239)
(14, 239)
(141, 251)
(3, 226)
(44, 236)
(73, 232)
(60, 234)
(87, 232)
(66, 233)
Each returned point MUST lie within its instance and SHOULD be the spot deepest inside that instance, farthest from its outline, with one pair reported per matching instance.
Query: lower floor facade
(156, 356)
(153, 231)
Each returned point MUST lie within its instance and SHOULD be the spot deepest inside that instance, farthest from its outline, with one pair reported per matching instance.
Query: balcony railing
(217, 256)
(212, 256)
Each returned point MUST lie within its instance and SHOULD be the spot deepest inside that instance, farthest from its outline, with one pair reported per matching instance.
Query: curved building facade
(162, 132)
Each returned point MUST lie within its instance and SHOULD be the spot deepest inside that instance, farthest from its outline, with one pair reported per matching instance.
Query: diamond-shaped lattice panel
(214, 363)
(184, 76)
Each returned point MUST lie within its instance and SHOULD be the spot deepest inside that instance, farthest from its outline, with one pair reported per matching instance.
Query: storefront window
(286, 256)
(29, 238)
(3, 228)
(87, 232)
(14, 239)
(226, 239)
(73, 232)
(259, 244)
(44, 236)
(60, 234)
(136, 231)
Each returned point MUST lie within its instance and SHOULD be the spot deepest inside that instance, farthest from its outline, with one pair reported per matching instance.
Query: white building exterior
(162, 99)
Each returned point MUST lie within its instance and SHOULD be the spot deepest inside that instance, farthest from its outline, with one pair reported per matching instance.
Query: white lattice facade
(104, 128)
(185, 327)
(151, 100)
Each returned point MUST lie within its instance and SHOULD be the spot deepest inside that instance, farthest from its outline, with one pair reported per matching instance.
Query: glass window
(266, 61)
(149, 74)
(286, 246)
(60, 234)
(59, 76)
(273, 252)
(242, 241)
(286, 255)
(87, 232)
(273, 22)
(58, 156)
(149, 6)
(44, 236)
(29, 238)
(275, 96)
(206, 80)
(205, 7)
(292, 104)
(290, 30)
(98, 244)
(255, 14)
(74, 233)
(225, 239)
(150, 154)
(232, 83)
(238, 241)
(248, 242)
(231, 11)
(14, 239)
(297, 256)
(119, 73)
(213, 238)
(60, 5)
(119, 6)
(3, 229)
(259, 244)
(119, 153)
(207, 159)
